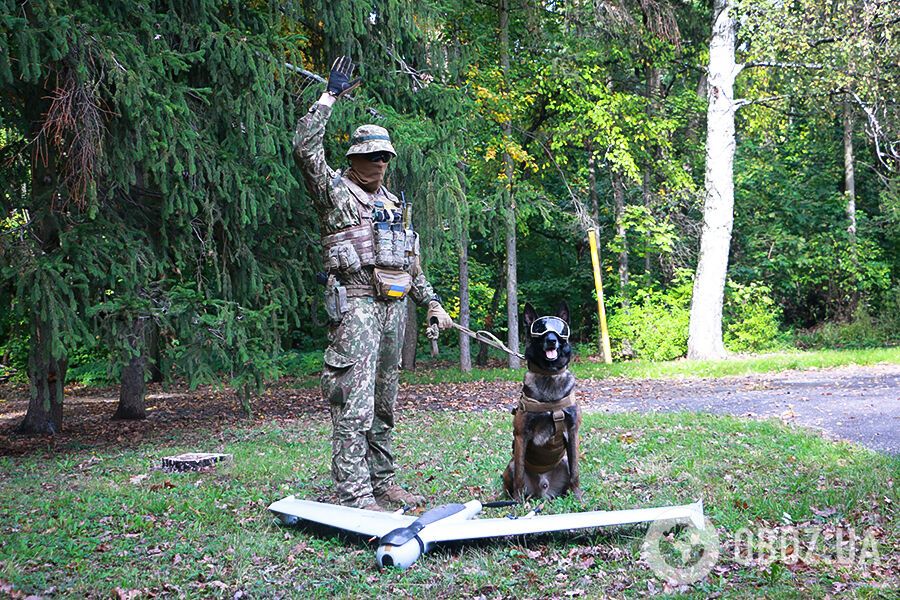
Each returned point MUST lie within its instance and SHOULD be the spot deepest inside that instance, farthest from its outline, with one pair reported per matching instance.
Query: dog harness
(541, 459)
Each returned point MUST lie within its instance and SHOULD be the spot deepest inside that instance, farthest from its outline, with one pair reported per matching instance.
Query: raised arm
(309, 151)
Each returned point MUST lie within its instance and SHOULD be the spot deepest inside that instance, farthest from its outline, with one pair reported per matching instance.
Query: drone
(403, 539)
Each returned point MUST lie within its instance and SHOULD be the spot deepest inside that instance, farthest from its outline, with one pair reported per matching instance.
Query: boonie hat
(370, 138)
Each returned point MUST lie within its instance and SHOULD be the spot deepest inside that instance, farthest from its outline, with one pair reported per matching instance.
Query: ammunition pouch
(335, 300)
(391, 284)
(390, 246)
(350, 249)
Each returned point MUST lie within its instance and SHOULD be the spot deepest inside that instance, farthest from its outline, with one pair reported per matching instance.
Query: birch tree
(705, 330)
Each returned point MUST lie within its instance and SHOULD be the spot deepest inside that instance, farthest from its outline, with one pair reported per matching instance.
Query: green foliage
(655, 324)
(751, 319)
(791, 226)
(152, 153)
(863, 331)
(300, 364)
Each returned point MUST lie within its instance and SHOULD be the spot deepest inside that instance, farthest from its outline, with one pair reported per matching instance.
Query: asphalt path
(860, 404)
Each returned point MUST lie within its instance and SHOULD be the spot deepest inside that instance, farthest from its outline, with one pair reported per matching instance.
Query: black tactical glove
(339, 82)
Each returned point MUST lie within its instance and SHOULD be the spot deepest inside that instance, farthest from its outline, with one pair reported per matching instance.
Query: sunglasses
(378, 157)
(541, 326)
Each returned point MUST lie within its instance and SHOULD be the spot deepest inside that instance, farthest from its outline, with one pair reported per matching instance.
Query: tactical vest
(541, 459)
(378, 242)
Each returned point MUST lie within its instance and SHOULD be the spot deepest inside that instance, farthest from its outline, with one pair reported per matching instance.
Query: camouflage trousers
(360, 380)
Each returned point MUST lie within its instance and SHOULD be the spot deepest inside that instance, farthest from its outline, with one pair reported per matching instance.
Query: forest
(737, 158)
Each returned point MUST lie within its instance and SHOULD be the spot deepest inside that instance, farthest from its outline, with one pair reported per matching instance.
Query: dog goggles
(541, 326)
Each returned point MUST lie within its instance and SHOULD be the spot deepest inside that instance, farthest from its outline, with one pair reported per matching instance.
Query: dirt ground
(860, 404)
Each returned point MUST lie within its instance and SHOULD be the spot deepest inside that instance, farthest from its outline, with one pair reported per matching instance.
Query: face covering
(366, 174)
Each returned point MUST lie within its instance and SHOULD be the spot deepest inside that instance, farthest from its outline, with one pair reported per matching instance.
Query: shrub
(655, 325)
(863, 331)
(300, 364)
(751, 319)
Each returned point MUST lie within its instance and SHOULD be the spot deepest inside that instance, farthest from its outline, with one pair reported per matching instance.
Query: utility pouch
(412, 243)
(391, 284)
(336, 301)
(384, 246)
(399, 247)
(350, 249)
(348, 259)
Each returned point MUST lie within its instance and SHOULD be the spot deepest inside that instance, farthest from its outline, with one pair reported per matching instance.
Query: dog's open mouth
(551, 354)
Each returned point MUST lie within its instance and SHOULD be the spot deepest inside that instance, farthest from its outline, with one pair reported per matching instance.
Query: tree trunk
(618, 187)
(592, 181)
(465, 353)
(47, 376)
(509, 201)
(647, 193)
(133, 387)
(850, 193)
(482, 358)
(410, 339)
(132, 390)
(46, 367)
(849, 174)
(705, 331)
(653, 95)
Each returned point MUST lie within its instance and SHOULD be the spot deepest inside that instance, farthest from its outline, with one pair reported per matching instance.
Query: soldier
(372, 264)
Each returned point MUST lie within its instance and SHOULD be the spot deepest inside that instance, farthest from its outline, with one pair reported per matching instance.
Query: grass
(85, 523)
(739, 365)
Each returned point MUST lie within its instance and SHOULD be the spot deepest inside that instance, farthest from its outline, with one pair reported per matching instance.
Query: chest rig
(380, 244)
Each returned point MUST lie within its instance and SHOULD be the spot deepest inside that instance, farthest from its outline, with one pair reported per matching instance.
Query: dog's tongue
(551, 354)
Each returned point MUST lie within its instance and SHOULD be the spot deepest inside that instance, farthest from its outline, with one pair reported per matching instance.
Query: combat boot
(366, 503)
(394, 495)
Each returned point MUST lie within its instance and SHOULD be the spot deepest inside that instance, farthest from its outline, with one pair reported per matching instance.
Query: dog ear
(530, 315)
(563, 311)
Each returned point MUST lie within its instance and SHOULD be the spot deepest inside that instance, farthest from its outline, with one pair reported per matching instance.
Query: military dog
(547, 418)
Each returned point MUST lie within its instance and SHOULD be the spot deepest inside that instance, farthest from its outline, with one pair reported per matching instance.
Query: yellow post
(601, 308)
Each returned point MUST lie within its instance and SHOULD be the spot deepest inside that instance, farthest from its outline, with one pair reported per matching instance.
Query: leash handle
(434, 343)
(488, 338)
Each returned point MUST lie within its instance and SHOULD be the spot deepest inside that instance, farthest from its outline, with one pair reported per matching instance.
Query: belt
(360, 291)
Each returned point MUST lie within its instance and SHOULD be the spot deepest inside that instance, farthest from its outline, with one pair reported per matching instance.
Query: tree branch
(784, 65)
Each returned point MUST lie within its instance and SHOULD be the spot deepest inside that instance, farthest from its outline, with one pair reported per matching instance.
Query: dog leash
(488, 338)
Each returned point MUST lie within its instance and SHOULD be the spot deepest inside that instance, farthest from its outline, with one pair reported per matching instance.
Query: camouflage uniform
(360, 378)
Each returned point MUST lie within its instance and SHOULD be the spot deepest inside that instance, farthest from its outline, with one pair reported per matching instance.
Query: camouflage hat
(370, 138)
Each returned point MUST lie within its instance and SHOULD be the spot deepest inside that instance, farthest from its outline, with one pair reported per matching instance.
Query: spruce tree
(155, 179)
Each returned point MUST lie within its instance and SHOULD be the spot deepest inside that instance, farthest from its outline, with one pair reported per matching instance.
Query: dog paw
(579, 495)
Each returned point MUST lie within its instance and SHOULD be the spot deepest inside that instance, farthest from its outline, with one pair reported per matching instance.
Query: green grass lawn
(85, 523)
(738, 365)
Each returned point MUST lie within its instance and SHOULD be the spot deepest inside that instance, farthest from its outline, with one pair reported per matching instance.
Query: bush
(655, 325)
(751, 320)
(863, 331)
(300, 364)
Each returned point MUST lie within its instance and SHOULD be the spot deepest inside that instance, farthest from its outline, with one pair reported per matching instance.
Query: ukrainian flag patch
(396, 291)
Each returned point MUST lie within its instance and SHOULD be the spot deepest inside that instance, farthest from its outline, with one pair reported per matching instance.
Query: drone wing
(484, 528)
(365, 522)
